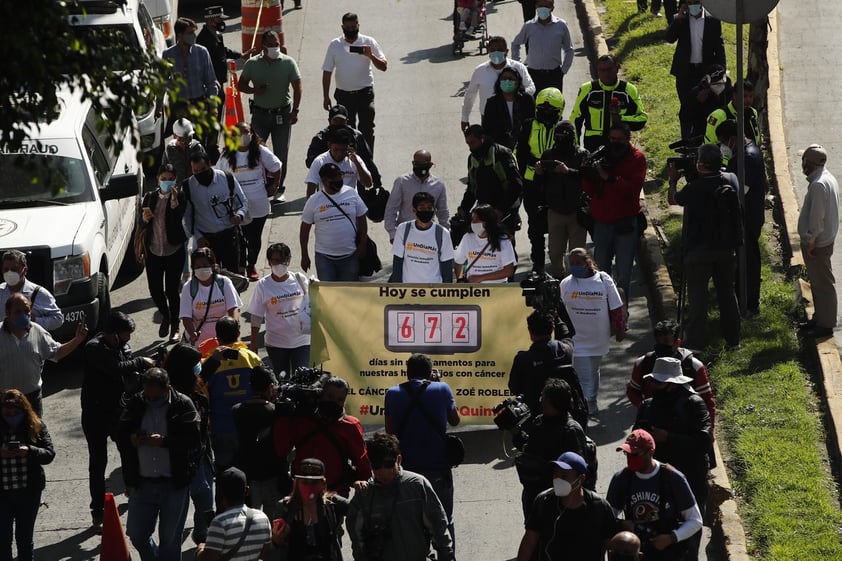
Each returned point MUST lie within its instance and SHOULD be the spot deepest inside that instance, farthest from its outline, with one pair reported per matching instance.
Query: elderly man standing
(399, 208)
(550, 47)
(818, 224)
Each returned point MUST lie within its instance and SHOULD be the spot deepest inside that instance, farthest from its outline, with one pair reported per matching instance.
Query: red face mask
(309, 490)
(635, 463)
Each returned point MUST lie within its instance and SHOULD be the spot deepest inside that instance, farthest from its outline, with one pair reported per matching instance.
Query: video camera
(299, 395)
(594, 159)
(541, 291)
(688, 152)
(511, 414)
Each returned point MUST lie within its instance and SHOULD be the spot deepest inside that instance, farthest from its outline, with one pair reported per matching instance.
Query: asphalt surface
(418, 106)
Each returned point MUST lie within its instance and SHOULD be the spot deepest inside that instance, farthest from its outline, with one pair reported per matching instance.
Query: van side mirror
(120, 186)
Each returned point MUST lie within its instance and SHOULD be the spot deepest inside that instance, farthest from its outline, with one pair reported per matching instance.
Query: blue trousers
(157, 501)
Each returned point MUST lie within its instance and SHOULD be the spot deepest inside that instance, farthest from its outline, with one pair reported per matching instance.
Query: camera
(511, 414)
(541, 291)
(685, 162)
(299, 395)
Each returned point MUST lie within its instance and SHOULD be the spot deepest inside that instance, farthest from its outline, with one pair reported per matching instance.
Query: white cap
(182, 128)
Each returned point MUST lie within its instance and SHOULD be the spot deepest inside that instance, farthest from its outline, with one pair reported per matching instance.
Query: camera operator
(110, 370)
(615, 205)
(709, 246)
(533, 367)
(328, 434)
(397, 514)
(548, 435)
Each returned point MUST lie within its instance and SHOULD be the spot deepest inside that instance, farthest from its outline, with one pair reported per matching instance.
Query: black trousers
(691, 116)
(360, 106)
(528, 8)
(252, 233)
(546, 78)
(163, 277)
(536, 213)
(98, 427)
(226, 246)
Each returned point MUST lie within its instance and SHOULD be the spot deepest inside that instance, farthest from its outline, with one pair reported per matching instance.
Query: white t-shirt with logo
(350, 175)
(285, 307)
(220, 302)
(490, 260)
(588, 302)
(335, 234)
(253, 180)
(421, 253)
(353, 70)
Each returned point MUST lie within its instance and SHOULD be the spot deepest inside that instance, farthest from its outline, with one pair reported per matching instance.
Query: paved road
(418, 103)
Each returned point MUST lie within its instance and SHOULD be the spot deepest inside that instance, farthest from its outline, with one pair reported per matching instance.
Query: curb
(723, 509)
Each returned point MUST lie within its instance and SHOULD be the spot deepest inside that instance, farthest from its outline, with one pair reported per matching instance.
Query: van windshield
(38, 180)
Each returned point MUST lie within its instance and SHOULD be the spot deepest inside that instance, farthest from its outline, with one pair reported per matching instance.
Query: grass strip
(771, 422)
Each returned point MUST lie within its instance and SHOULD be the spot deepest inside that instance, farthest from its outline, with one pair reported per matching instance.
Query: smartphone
(230, 354)
(356, 49)
(13, 444)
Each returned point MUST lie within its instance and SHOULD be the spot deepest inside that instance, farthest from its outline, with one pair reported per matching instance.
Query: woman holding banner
(487, 250)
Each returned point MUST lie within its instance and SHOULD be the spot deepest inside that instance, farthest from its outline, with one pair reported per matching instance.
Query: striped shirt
(227, 527)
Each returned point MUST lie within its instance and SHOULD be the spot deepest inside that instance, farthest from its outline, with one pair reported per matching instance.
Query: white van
(164, 13)
(70, 203)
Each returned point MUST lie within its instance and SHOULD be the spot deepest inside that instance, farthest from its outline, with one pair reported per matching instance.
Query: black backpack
(725, 217)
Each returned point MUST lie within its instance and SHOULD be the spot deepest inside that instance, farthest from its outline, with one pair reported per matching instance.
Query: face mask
(166, 185)
(477, 228)
(22, 321)
(335, 185)
(662, 349)
(421, 171)
(309, 490)
(245, 140)
(351, 34)
(508, 86)
(330, 410)
(197, 368)
(618, 149)
(220, 26)
(543, 12)
(695, 10)
(204, 177)
(280, 270)
(717, 89)
(189, 39)
(12, 278)
(13, 420)
(425, 216)
(497, 57)
(203, 273)
(273, 52)
(547, 117)
(662, 395)
(561, 487)
(726, 151)
(635, 463)
(580, 271)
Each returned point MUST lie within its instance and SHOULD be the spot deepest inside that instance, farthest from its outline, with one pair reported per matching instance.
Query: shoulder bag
(464, 276)
(369, 264)
(454, 447)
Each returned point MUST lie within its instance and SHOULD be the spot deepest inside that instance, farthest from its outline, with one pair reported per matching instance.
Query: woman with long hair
(309, 525)
(258, 171)
(25, 447)
(206, 297)
(486, 249)
(507, 109)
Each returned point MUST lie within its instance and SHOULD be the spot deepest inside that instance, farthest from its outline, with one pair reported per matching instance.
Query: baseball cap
(310, 468)
(215, 12)
(815, 154)
(638, 441)
(668, 370)
(232, 483)
(337, 111)
(572, 461)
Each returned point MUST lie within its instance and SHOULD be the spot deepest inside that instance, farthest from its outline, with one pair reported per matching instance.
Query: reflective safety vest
(541, 138)
(593, 104)
(716, 118)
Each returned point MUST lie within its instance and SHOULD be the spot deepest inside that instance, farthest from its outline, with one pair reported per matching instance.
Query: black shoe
(96, 522)
(164, 328)
(817, 332)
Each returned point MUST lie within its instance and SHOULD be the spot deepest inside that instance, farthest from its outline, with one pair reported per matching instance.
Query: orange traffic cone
(231, 118)
(114, 545)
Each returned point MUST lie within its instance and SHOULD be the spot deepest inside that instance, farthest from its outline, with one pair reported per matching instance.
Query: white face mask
(561, 487)
(717, 88)
(273, 52)
(12, 278)
(203, 273)
(477, 228)
(726, 151)
(245, 140)
(280, 270)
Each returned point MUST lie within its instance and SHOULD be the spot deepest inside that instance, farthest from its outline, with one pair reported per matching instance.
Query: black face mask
(330, 410)
(220, 26)
(351, 34)
(564, 142)
(618, 150)
(662, 350)
(204, 177)
(547, 117)
(663, 395)
(421, 171)
(335, 185)
(425, 216)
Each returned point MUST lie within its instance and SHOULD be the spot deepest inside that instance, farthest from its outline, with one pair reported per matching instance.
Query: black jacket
(183, 439)
(319, 145)
(713, 47)
(108, 370)
(494, 179)
(172, 216)
(563, 191)
(212, 40)
(501, 127)
(533, 367)
(41, 452)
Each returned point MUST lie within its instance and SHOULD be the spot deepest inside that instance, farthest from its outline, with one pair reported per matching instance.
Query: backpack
(725, 217)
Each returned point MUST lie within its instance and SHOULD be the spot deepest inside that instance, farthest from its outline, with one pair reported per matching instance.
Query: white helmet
(183, 128)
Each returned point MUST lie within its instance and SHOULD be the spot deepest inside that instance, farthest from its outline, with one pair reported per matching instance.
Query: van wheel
(103, 294)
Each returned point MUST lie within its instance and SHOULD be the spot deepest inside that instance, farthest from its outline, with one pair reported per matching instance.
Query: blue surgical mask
(22, 321)
(543, 12)
(197, 368)
(497, 57)
(13, 420)
(580, 271)
(166, 185)
(508, 86)
(694, 9)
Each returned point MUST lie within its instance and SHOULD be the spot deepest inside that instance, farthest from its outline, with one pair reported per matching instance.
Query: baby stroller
(469, 23)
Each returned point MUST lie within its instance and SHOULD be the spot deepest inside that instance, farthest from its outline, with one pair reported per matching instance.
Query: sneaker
(281, 198)
(175, 333)
(251, 273)
(593, 409)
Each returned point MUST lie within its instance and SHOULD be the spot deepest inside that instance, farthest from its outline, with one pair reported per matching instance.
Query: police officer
(605, 101)
(537, 135)
(723, 114)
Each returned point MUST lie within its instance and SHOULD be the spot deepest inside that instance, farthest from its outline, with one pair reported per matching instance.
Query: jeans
(265, 125)
(287, 360)
(442, 482)
(201, 492)
(252, 233)
(587, 368)
(20, 508)
(163, 277)
(610, 246)
(360, 105)
(157, 500)
(97, 428)
(342, 269)
(224, 450)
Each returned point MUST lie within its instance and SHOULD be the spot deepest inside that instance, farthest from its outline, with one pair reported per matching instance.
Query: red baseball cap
(638, 441)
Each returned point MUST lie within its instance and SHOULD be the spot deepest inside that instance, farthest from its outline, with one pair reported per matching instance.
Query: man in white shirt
(352, 57)
(422, 250)
(343, 154)
(400, 207)
(485, 75)
(547, 38)
(338, 214)
(45, 312)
